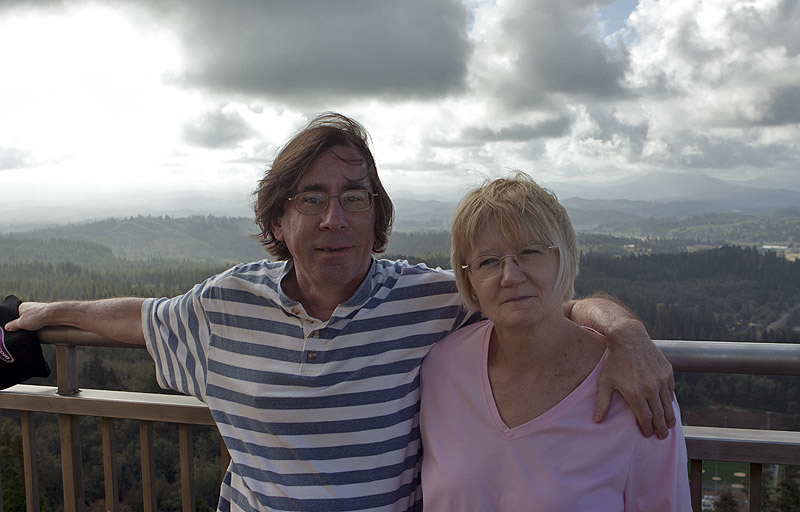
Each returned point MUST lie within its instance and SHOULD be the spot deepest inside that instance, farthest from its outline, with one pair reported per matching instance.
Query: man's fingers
(603, 402)
(644, 416)
(658, 419)
(669, 412)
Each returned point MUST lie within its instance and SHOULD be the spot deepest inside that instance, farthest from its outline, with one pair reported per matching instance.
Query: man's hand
(643, 376)
(635, 366)
(119, 319)
(32, 317)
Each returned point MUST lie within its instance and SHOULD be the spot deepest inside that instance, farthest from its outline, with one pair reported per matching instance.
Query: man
(310, 366)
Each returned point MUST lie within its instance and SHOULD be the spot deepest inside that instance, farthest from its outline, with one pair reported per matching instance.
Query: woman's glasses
(488, 266)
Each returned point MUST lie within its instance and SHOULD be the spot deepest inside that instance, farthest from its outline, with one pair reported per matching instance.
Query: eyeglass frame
(513, 256)
(370, 195)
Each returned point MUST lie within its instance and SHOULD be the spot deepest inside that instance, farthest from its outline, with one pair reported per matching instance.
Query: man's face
(331, 249)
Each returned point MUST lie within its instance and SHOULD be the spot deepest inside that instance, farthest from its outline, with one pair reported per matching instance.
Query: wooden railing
(69, 402)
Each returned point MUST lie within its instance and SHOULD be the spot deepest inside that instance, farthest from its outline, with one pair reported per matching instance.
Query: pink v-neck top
(560, 460)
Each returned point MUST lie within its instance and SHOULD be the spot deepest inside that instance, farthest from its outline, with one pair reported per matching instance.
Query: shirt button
(315, 334)
(312, 355)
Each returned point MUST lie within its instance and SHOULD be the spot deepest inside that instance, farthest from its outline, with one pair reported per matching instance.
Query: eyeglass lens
(487, 266)
(311, 203)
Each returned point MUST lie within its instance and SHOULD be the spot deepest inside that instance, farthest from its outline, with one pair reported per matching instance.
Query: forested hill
(139, 238)
(727, 293)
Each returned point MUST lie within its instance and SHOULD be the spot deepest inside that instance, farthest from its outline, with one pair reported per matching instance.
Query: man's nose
(334, 217)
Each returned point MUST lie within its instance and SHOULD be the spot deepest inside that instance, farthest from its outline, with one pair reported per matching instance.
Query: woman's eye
(487, 262)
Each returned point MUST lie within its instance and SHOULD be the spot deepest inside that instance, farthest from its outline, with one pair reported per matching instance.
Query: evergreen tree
(726, 502)
(787, 493)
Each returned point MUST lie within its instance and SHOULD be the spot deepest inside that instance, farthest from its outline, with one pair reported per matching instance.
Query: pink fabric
(561, 460)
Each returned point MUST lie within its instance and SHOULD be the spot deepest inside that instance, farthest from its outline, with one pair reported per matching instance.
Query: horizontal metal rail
(732, 357)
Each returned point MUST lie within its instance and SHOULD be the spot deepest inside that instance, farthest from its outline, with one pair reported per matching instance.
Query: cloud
(534, 52)
(318, 50)
(14, 158)
(720, 65)
(219, 129)
(784, 106)
(518, 132)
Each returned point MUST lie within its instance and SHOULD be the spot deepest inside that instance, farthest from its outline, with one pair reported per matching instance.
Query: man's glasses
(313, 203)
(488, 266)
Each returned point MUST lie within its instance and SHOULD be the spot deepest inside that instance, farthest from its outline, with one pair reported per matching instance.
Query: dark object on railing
(20, 351)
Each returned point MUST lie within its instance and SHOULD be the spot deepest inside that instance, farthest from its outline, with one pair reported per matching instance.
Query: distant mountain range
(598, 206)
(651, 196)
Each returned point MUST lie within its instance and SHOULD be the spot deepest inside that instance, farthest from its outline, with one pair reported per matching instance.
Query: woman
(488, 445)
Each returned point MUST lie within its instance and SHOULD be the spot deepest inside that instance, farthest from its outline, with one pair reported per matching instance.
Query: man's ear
(277, 228)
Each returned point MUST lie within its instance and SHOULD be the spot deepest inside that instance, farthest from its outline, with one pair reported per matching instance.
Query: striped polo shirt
(317, 416)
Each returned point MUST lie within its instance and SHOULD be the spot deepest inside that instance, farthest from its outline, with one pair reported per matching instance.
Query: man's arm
(635, 366)
(119, 319)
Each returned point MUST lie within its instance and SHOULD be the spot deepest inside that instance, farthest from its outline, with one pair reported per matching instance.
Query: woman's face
(516, 297)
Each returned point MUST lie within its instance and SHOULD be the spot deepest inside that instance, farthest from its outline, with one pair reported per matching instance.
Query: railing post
(756, 487)
(187, 467)
(1, 491)
(67, 369)
(696, 484)
(110, 472)
(69, 427)
(29, 464)
(148, 466)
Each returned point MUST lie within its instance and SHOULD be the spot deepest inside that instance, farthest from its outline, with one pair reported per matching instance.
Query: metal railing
(756, 447)
(69, 402)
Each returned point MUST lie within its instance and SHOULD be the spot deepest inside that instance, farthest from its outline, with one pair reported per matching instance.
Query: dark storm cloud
(313, 49)
(783, 107)
(554, 51)
(698, 150)
(217, 130)
(518, 132)
(779, 28)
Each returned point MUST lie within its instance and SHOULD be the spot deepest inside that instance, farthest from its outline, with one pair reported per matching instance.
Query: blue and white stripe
(316, 415)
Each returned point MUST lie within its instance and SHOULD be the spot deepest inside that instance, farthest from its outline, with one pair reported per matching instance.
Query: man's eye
(353, 198)
(356, 196)
(313, 199)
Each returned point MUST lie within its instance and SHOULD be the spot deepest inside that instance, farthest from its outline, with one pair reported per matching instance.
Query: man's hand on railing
(32, 317)
(119, 319)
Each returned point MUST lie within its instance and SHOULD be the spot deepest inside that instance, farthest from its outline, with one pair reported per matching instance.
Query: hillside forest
(724, 292)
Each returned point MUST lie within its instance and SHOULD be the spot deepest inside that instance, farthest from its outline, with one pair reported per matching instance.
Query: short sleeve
(658, 476)
(177, 333)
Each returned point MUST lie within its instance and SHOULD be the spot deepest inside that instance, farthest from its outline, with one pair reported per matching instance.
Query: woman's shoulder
(468, 338)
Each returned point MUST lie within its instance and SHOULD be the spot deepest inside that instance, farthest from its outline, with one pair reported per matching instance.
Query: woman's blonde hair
(525, 213)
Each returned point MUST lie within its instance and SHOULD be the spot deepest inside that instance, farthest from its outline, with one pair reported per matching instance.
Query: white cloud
(100, 99)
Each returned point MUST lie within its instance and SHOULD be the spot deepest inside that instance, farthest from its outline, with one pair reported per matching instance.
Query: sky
(121, 107)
